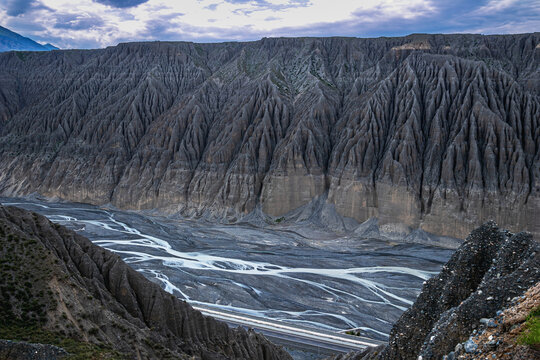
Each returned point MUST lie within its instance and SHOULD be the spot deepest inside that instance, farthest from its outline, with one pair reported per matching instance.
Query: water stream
(313, 277)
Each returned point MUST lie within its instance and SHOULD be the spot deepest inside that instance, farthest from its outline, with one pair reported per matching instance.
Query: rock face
(439, 132)
(483, 276)
(59, 282)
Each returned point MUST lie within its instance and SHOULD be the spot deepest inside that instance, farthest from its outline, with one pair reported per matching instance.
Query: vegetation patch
(78, 350)
(26, 267)
(531, 335)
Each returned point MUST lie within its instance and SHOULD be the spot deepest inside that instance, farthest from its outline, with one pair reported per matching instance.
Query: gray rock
(484, 321)
(470, 346)
(492, 323)
(490, 345)
(488, 322)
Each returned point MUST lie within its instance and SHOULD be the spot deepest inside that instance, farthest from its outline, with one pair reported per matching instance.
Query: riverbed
(313, 277)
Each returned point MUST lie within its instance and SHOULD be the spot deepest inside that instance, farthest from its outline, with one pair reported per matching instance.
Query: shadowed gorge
(439, 132)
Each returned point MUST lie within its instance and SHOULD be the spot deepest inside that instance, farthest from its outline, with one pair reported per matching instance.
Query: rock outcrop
(489, 269)
(438, 132)
(508, 336)
(57, 285)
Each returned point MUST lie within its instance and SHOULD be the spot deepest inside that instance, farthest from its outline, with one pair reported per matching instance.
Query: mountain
(49, 46)
(10, 40)
(57, 288)
(489, 272)
(438, 132)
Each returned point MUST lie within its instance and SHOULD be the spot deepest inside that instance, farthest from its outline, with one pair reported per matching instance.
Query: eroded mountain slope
(410, 130)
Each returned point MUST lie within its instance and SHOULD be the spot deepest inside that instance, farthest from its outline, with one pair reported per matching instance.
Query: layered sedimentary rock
(484, 275)
(57, 286)
(439, 132)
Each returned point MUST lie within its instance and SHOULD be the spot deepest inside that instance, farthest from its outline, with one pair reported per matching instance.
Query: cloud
(494, 6)
(101, 23)
(502, 17)
(77, 22)
(17, 7)
(122, 4)
(248, 7)
(25, 26)
(212, 7)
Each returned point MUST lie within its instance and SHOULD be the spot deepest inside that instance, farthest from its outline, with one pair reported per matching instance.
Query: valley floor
(313, 278)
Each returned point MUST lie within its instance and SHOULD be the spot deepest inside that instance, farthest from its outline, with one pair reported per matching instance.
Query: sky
(102, 23)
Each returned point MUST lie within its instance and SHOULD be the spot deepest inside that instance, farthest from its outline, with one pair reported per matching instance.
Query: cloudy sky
(100, 23)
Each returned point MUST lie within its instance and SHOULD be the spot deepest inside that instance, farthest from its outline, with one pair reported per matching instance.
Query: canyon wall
(439, 132)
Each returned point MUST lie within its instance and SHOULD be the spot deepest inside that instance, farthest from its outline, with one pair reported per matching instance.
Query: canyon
(63, 294)
(431, 132)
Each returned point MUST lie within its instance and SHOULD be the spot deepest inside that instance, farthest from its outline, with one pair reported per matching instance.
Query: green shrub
(531, 335)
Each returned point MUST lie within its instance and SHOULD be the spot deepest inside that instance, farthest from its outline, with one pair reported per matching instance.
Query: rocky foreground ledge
(485, 275)
(511, 335)
(58, 288)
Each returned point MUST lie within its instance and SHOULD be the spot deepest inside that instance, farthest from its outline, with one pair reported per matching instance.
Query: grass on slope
(531, 336)
(78, 350)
